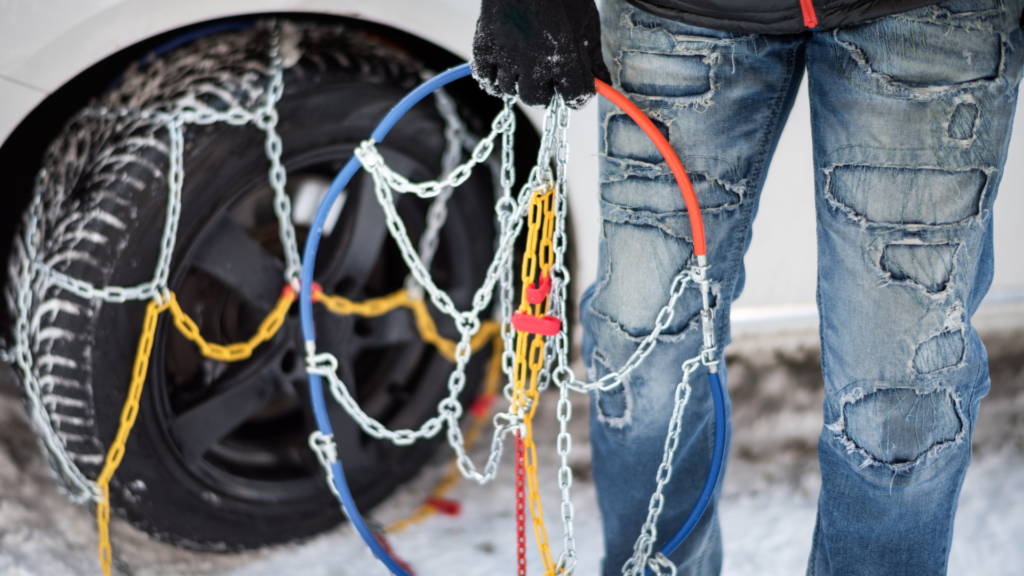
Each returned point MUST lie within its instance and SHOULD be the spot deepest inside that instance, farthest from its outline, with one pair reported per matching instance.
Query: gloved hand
(534, 47)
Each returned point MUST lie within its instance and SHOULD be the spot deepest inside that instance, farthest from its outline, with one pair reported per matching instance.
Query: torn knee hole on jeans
(680, 79)
(923, 57)
(898, 427)
(642, 261)
(640, 187)
(906, 196)
(615, 406)
(927, 266)
(664, 207)
(945, 349)
(624, 139)
(962, 126)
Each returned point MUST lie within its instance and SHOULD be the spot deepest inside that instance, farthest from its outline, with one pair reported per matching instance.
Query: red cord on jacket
(810, 18)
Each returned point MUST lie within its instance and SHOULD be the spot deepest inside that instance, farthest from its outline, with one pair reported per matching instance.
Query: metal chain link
(437, 213)
(373, 162)
(327, 454)
(266, 119)
(660, 565)
(79, 488)
(649, 532)
(386, 182)
(662, 321)
(560, 279)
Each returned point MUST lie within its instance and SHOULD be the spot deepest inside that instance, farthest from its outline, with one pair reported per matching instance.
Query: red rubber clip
(482, 405)
(537, 295)
(317, 289)
(445, 506)
(543, 325)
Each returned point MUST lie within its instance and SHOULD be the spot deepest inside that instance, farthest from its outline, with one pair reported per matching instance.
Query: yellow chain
(530, 354)
(424, 321)
(188, 328)
(489, 332)
(241, 350)
(128, 415)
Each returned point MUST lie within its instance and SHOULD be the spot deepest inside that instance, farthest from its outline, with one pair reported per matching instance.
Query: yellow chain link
(128, 415)
(424, 321)
(241, 350)
(530, 354)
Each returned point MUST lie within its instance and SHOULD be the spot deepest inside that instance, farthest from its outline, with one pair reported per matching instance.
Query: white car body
(44, 44)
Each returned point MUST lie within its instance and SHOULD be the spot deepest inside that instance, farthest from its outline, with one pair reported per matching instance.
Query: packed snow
(768, 504)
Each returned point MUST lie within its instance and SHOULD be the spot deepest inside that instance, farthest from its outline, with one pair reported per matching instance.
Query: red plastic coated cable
(692, 208)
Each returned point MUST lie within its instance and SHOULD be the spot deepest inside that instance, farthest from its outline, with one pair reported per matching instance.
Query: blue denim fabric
(911, 122)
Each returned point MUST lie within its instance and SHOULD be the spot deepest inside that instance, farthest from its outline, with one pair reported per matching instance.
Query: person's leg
(722, 100)
(911, 117)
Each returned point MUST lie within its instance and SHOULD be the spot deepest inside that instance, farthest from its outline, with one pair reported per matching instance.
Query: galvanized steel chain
(644, 544)
(560, 279)
(467, 323)
(374, 163)
(266, 119)
(510, 213)
(437, 213)
(79, 488)
(327, 454)
(480, 410)
(663, 320)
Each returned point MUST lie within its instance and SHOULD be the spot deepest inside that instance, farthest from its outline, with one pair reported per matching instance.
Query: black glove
(535, 47)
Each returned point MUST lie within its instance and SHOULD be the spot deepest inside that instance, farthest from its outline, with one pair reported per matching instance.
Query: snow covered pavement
(768, 505)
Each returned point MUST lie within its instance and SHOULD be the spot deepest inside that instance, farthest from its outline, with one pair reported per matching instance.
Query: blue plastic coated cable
(309, 334)
(716, 468)
(316, 390)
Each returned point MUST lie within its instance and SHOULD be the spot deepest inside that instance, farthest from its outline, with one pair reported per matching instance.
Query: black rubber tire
(336, 92)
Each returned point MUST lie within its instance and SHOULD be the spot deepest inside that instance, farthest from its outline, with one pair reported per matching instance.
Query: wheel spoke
(227, 253)
(237, 397)
(394, 328)
(363, 230)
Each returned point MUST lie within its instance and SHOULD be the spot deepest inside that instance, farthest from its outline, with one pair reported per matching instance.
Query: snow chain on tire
(137, 128)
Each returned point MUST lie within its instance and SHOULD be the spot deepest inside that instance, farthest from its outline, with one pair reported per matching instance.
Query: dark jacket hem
(717, 15)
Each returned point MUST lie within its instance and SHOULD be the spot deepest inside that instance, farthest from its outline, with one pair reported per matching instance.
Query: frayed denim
(911, 120)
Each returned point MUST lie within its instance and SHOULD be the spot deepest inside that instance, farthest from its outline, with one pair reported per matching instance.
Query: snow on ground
(768, 504)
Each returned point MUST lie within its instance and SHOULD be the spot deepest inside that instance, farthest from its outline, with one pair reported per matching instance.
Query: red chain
(520, 505)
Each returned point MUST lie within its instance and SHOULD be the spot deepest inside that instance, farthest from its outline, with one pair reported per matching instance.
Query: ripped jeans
(911, 122)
